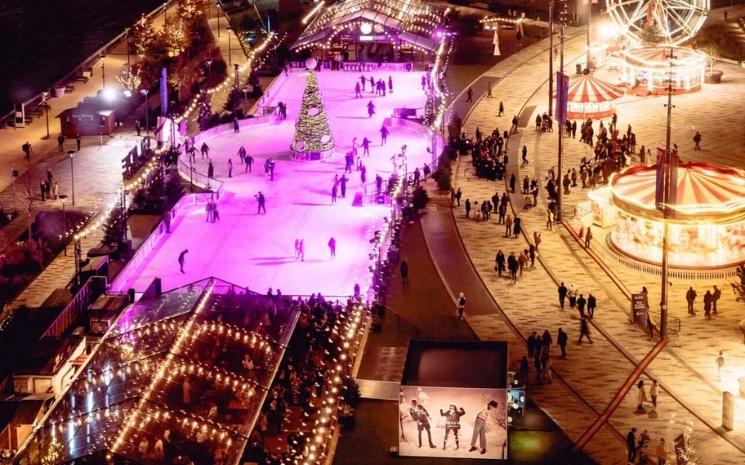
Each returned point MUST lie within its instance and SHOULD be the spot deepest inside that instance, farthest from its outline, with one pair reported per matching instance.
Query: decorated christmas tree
(312, 132)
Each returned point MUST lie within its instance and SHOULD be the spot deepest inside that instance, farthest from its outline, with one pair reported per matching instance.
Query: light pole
(209, 67)
(13, 176)
(126, 31)
(103, 72)
(230, 51)
(44, 97)
(551, 58)
(562, 24)
(217, 13)
(147, 112)
(63, 198)
(71, 153)
(165, 14)
(237, 76)
(666, 191)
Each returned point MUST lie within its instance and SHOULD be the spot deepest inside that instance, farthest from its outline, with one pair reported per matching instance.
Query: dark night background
(43, 40)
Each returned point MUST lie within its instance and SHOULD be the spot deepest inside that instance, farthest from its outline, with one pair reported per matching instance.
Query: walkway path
(595, 371)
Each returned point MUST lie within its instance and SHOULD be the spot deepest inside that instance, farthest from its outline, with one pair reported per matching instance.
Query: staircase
(736, 30)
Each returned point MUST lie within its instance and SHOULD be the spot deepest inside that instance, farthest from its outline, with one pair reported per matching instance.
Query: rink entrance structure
(453, 399)
(351, 33)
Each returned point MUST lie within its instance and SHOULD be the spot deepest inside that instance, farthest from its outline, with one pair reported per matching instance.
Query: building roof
(412, 21)
(703, 192)
(588, 89)
(176, 363)
(48, 355)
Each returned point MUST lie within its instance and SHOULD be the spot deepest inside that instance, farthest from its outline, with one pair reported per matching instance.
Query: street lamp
(230, 52)
(237, 76)
(209, 67)
(217, 13)
(147, 111)
(44, 98)
(126, 31)
(71, 153)
(103, 72)
(63, 198)
(13, 176)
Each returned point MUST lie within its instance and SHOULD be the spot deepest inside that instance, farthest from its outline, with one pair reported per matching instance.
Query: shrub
(443, 175)
(419, 198)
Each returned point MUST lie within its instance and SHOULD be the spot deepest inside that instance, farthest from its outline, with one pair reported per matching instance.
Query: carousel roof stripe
(587, 89)
(702, 189)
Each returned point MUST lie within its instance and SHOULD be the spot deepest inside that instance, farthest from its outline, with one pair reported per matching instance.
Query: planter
(713, 77)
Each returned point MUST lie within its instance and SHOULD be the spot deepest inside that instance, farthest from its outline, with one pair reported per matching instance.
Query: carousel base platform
(643, 91)
(312, 156)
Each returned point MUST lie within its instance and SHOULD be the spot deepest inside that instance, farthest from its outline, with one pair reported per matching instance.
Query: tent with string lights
(179, 378)
(374, 30)
(590, 97)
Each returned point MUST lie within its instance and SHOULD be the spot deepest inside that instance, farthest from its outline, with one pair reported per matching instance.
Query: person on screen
(479, 425)
(420, 415)
(452, 422)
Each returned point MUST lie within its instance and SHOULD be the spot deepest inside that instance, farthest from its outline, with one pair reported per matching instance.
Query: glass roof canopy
(411, 21)
(178, 378)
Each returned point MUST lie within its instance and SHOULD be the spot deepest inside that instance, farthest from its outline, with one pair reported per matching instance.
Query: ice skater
(210, 170)
(452, 423)
(332, 247)
(357, 91)
(230, 167)
(205, 149)
(370, 109)
(181, 258)
(301, 250)
(333, 193)
(390, 85)
(261, 202)
(343, 186)
(249, 162)
(242, 154)
(384, 134)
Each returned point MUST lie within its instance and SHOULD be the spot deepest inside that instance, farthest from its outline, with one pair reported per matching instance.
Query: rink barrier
(177, 213)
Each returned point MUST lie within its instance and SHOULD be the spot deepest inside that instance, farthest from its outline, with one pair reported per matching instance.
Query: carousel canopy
(587, 89)
(181, 376)
(411, 21)
(703, 192)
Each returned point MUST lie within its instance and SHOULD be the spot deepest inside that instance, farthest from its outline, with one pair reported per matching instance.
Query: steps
(736, 30)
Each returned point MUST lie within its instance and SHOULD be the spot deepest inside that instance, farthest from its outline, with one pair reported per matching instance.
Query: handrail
(74, 308)
(85, 63)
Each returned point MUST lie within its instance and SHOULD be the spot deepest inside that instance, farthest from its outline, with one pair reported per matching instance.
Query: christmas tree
(312, 132)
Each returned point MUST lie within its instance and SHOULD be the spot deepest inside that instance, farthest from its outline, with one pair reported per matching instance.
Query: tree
(143, 36)
(312, 131)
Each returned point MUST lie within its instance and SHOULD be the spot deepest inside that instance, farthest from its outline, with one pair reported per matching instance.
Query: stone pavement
(616, 341)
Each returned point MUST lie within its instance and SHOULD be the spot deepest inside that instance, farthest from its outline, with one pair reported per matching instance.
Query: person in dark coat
(562, 294)
(516, 226)
(592, 303)
(500, 263)
(561, 341)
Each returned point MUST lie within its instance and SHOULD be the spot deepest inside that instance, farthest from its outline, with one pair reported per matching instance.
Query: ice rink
(257, 251)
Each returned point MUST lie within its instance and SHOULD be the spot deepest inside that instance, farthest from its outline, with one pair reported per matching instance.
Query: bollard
(728, 410)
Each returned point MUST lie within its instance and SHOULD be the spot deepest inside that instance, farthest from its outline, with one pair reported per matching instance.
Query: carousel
(657, 28)
(592, 98)
(706, 222)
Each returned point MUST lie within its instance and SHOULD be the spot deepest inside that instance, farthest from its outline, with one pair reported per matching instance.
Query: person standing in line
(261, 203)
(716, 295)
(181, 259)
(404, 271)
(653, 393)
(332, 247)
(461, 306)
(720, 364)
(561, 341)
(591, 305)
(562, 294)
(631, 446)
(691, 298)
(584, 330)
(661, 452)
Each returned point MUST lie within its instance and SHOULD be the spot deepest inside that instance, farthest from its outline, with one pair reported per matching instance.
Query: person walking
(404, 271)
(461, 304)
(707, 304)
(332, 247)
(469, 95)
(697, 141)
(500, 260)
(592, 303)
(516, 228)
(584, 330)
(562, 294)
(525, 155)
(588, 238)
(561, 340)
(468, 207)
(691, 299)
(181, 259)
(513, 266)
(488, 90)
(631, 446)
(508, 226)
(581, 301)
(716, 295)
(501, 111)
(549, 220)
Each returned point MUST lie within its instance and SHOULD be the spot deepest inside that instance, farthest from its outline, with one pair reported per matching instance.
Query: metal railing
(85, 296)
(201, 180)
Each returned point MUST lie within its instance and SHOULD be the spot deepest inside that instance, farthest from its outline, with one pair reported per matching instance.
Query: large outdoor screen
(453, 422)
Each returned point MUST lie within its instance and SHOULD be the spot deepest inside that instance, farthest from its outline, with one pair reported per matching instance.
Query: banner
(562, 97)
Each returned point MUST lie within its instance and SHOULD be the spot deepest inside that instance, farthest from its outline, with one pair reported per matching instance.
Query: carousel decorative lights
(707, 219)
(658, 28)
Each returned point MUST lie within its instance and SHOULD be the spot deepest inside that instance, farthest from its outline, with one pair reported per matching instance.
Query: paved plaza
(686, 370)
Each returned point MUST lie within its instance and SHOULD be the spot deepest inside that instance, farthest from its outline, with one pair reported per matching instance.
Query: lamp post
(44, 97)
(103, 72)
(217, 14)
(560, 124)
(589, 21)
(71, 153)
(551, 58)
(209, 67)
(144, 92)
(13, 176)
(165, 13)
(237, 76)
(230, 51)
(126, 31)
(63, 198)
(667, 160)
